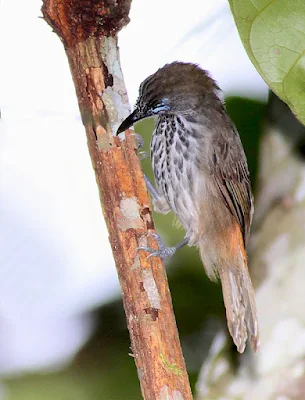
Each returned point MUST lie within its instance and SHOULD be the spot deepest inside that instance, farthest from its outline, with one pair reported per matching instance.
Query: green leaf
(273, 34)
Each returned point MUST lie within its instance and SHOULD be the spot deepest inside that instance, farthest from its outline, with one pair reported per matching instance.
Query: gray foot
(163, 252)
(140, 144)
(139, 139)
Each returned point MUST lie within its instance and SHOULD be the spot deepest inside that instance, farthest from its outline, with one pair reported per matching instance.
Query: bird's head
(176, 88)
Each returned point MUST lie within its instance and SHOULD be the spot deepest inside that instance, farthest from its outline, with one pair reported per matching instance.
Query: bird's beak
(130, 120)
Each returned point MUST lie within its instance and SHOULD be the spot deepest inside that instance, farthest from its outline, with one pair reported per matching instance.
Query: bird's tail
(227, 258)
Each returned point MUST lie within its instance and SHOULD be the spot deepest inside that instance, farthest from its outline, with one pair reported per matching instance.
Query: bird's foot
(139, 139)
(142, 155)
(140, 144)
(163, 252)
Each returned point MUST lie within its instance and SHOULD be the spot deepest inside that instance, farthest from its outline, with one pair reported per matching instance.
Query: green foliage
(273, 34)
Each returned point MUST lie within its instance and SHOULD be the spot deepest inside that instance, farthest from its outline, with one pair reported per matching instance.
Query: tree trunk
(88, 30)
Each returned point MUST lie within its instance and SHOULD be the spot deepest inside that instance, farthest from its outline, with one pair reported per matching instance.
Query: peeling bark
(88, 30)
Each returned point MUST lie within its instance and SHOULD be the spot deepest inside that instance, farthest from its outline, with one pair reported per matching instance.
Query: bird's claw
(163, 252)
(140, 144)
(139, 139)
(142, 155)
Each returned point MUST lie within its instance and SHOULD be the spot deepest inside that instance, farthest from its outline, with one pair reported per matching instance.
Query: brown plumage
(201, 175)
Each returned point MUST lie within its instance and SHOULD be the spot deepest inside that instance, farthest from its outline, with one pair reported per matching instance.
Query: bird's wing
(230, 170)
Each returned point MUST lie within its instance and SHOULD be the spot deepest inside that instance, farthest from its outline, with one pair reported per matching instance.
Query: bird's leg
(152, 190)
(163, 252)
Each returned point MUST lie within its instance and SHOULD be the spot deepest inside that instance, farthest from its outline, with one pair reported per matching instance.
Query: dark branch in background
(88, 31)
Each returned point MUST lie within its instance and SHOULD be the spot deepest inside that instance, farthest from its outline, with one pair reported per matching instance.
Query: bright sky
(56, 262)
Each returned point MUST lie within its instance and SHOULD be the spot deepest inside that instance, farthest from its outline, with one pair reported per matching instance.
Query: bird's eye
(159, 108)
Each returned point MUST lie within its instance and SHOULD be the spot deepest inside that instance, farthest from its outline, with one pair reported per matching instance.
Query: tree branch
(88, 31)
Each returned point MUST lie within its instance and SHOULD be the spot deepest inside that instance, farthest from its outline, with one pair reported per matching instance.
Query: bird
(201, 174)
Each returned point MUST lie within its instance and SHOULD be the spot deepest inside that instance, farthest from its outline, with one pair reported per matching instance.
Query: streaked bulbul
(201, 174)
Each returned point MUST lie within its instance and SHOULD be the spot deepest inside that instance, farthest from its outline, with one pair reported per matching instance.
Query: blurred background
(62, 326)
